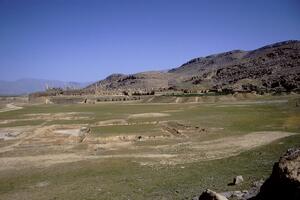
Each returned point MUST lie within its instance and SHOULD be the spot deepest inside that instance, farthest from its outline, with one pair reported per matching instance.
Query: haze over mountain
(27, 85)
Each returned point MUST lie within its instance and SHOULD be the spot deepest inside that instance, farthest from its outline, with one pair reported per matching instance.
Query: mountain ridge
(273, 67)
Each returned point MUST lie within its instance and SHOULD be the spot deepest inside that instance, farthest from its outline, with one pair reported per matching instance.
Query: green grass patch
(138, 129)
(126, 179)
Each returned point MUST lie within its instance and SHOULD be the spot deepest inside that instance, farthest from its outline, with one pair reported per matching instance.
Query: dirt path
(187, 152)
(39, 160)
(148, 115)
(10, 107)
(50, 117)
(230, 146)
(51, 159)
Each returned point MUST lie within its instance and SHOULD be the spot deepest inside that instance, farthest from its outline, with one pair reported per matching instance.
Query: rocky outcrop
(284, 182)
(275, 67)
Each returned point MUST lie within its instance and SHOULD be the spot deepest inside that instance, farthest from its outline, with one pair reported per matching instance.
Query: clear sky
(86, 40)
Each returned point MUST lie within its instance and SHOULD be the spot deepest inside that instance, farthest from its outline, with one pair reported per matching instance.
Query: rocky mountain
(275, 67)
(25, 86)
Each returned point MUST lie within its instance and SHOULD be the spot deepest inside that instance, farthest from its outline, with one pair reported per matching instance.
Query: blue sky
(86, 40)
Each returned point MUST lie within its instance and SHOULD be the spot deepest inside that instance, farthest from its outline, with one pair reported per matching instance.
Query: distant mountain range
(275, 67)
(26, 86)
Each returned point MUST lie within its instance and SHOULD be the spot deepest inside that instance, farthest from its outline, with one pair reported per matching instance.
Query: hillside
(275, 67)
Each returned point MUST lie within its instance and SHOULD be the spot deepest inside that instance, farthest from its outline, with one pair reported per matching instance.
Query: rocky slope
(274, 67)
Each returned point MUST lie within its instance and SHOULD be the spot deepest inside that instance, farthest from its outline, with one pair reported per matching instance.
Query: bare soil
(148, 115)
(186, 151)
(10, 107)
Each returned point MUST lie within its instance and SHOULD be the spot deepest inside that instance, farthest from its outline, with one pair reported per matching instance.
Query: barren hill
(275, 67)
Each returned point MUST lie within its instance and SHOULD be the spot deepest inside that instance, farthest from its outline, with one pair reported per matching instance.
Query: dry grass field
(140, 150)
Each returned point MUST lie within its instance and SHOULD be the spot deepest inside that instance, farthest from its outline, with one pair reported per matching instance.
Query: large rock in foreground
(284, 182)
(211, 195)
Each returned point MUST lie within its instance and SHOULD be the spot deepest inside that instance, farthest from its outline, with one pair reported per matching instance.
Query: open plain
(143, 149)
